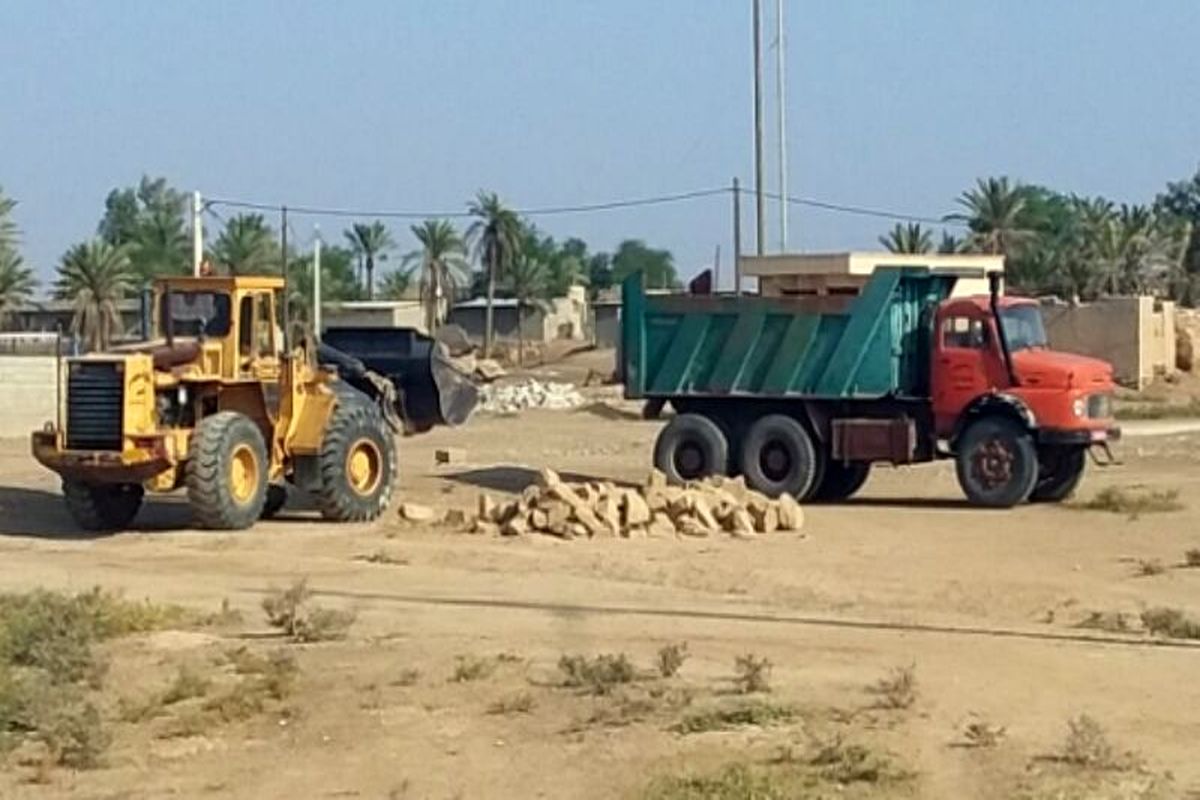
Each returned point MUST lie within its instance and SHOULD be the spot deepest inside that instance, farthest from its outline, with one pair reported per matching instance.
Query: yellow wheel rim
(243, 473)
(364, 466)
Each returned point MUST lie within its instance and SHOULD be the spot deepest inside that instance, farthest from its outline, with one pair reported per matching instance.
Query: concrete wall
(27, 392)
(375, 314)
(1134, 334)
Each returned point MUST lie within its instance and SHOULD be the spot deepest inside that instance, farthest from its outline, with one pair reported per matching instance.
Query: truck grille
(1099, 406)
(95, 394)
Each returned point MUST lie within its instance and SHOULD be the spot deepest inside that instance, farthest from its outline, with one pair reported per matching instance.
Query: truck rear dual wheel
(691, 447)
(357, 462)
(841, 480)
(102, 507)
(227, 472)
(997, 462)
(779, 457)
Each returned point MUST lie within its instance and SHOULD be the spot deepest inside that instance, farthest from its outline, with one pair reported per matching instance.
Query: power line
(419, 215)
(859, 210)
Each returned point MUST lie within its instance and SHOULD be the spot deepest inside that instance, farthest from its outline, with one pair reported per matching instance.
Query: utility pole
(197, 234)
(287, 339)
(316, 299)
(781, 119)
(760, 220)
(737, 237)
(717, 270)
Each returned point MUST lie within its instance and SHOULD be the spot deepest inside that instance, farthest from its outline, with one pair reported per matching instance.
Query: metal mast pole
(197, 234)
(316, 299)
(283, 223)
(761, 222)
(737, 237)
(781, 119)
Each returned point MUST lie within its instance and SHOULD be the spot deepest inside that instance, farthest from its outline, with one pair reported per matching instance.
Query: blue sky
(416, 104)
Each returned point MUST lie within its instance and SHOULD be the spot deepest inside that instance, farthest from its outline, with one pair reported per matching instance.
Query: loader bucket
(432, 390)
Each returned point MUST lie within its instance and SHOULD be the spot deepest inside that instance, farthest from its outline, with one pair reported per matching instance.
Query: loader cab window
(964, 333)
(256, 326)
(195, 314)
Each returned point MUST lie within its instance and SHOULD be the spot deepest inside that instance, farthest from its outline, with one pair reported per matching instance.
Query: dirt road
(985, 605)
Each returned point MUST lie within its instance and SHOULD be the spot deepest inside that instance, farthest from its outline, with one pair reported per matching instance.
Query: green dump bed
(868, 346)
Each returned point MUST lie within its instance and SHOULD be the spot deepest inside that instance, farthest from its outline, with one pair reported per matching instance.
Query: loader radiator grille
(95, 394)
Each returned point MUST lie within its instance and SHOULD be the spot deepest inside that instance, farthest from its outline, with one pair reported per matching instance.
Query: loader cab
(223, 327)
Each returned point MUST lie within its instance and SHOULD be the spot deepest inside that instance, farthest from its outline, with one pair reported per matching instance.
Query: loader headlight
(1079, 407)
(181, 395)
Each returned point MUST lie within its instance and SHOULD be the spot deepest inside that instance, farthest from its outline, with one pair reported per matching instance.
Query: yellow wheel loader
(217, 403)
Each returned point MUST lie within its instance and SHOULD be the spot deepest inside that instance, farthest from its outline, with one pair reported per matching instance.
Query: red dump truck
(801, 395)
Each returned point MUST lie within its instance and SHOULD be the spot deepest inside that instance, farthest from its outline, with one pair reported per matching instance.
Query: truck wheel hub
(689, 460)
(363, 466)
(993, 463)
(775, 461)
(243, 473)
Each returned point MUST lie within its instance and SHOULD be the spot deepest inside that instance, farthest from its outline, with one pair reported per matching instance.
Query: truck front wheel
(691, 447)
(996, 462)
(1059, 472)
(778, 457)
(102, 507)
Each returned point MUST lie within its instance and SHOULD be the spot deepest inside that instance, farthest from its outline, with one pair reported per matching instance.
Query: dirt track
(983, 603)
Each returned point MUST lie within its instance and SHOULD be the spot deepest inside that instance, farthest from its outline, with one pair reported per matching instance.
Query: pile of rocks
(706, 508)
(514, 397)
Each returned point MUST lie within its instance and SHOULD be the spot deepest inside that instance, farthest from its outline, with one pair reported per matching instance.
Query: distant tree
(908, 238)
(495, 238)
(441, 267)
(371, 243)
(338, 281)
(949, 244)
(149, 222)
(1181, 202)
(657, 266)
(599, 272)
(996, 215)
(16, 280)
(96, 276)
(527, 282)
(394, 284)
(247, 246)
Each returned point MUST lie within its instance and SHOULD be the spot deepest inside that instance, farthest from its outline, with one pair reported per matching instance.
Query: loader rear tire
(102, 507)
(227, 472)
(357, 462)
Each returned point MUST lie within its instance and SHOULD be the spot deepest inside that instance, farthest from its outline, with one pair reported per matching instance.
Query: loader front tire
(227, 472)
(357, 462)
(102, 507)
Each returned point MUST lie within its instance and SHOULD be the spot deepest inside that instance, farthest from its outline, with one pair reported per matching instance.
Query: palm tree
(370, 243)
(247, 246)
(97, 276)
(527, 278)
(950, 244)
(393, 285)
(908, 238)
(8, 228)
(16, 281)
(442, 266)
(996, 216)
(495, 236)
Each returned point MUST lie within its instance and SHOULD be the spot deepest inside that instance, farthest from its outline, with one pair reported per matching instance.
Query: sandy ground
(984, 605)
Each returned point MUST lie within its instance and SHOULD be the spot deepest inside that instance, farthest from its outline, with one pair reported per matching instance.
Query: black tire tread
(103, 507)
(208, 494)
(841, 481)
(1021, 488)
(1056, 487)
(352, 416)
(694, 427)
(801, 486)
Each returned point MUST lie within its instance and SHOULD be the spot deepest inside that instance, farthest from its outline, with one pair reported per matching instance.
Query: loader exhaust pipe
(994, 300)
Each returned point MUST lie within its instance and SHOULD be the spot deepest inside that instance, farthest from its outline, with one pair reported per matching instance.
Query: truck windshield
(1023, 327)
(196, 313)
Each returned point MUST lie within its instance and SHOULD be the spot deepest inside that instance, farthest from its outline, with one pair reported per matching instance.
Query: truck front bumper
(1084, 437)
(90, 466)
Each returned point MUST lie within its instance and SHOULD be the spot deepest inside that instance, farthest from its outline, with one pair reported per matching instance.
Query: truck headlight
(1079, 407)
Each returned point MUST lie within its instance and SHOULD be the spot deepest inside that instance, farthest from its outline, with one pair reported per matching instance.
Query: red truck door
(961, 357)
